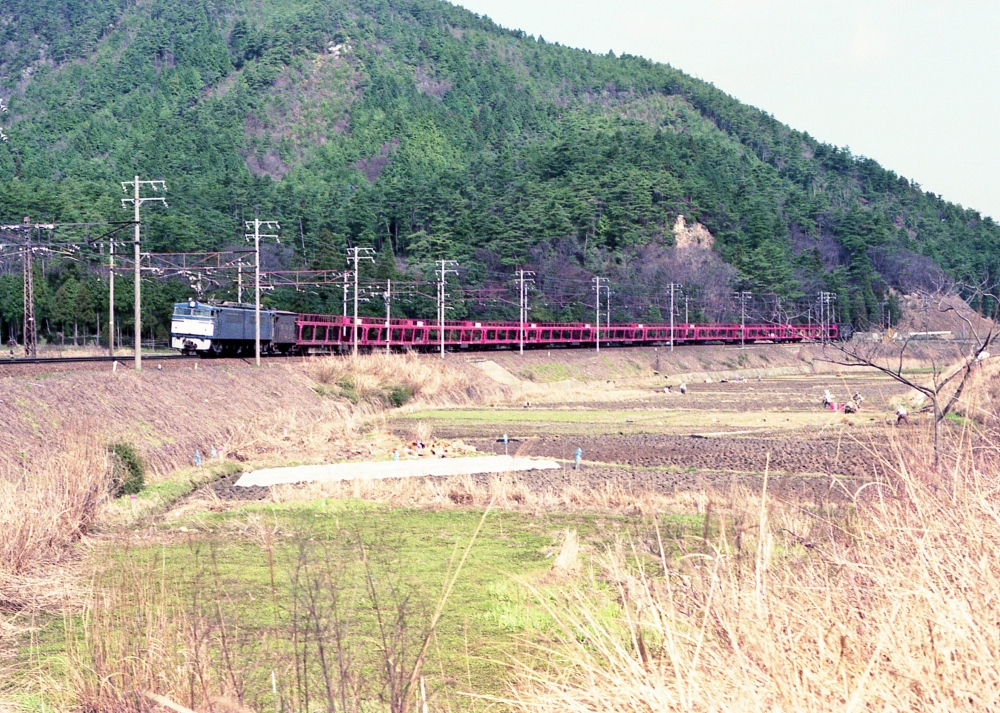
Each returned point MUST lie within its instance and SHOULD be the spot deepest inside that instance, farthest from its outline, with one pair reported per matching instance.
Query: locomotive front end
(192, 327)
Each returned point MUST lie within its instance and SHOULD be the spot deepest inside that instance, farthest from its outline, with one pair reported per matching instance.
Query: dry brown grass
(893, 607)
(506, 491)
(426, 380)
(158, 645)
(44, 507)
(981, 399)
(283, 410)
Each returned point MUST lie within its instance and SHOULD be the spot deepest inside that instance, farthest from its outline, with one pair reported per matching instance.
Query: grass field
(736, 548)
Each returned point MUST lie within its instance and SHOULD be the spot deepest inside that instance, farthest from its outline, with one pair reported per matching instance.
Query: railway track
(23, 365)
(89, 359)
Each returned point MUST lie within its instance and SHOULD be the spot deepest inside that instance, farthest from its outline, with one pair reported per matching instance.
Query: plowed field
(714, 432)
(839, 456)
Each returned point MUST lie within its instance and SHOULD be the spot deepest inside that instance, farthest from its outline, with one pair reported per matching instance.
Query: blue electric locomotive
(228, 329)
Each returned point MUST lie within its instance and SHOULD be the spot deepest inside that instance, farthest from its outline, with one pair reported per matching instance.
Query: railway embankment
(63, 433)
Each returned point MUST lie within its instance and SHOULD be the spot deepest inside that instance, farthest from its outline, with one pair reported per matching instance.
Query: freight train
(227, 329)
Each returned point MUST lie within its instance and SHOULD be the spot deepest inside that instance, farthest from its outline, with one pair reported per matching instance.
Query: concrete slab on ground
(377, 470)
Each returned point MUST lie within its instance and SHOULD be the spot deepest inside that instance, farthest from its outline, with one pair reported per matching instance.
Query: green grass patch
(280, 579)
(156, 497)
(391, 396)
(547, 372)
(958, 419)
(507, 415)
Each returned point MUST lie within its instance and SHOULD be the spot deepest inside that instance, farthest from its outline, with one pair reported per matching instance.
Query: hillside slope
(425, 131)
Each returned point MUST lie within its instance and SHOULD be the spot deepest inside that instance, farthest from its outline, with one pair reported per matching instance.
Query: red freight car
(320, 333)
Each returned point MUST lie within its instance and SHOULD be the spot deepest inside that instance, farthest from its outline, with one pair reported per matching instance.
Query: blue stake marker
(578, 458)
(505, 444)
(197, 457)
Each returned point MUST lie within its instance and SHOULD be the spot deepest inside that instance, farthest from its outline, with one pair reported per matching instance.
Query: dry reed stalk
(506, 492)
(567, 562)
(893, 608)
(137, 641)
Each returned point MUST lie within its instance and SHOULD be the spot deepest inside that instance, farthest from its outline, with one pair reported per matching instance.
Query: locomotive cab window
(185, 311)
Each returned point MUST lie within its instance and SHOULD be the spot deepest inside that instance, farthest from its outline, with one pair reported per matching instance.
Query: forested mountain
(427, 132)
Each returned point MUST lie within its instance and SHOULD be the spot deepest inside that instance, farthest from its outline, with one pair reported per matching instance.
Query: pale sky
(914, 85)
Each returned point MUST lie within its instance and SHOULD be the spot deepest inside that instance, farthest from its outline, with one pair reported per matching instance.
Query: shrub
(349, 390)
(400, 395)
(127, 470)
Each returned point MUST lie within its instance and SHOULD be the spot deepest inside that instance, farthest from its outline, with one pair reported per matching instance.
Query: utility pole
(686, 322)
(743, 297)
(345, 294)
(256, 224)
(826, 300)
(597, 312)
(239, 282)
(30, 331)
(137, 200)
(357, 254)
(443, 273)
(387, 296)
(607, 311)
(111, 297)
(523, 304)
(3, 110)
(673, 286)
(29, 327)
(820, 300)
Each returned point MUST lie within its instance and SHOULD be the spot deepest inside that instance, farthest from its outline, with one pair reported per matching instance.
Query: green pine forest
(424, 131)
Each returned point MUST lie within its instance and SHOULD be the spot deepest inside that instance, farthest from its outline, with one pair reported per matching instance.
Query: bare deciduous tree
(950, 368)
